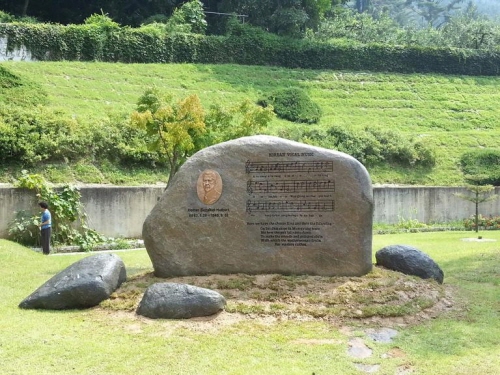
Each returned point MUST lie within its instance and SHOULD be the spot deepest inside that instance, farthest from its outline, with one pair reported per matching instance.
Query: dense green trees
(276, 15)
(386, 21)
(283, 17)
(467, 28)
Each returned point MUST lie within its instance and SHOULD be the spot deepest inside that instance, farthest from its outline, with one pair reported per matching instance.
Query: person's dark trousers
(45, 238)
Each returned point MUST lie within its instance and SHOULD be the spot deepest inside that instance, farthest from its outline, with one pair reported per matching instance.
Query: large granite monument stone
(263, 204)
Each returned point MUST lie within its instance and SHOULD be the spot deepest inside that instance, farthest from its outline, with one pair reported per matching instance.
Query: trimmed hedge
(247, 46)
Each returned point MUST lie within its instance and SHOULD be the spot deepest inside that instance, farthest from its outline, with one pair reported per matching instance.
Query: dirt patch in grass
(381, 297)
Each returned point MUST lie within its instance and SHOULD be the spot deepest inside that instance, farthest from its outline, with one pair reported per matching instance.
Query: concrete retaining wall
(427, 204)
(115, 211)
(18, 54)
(118, 211)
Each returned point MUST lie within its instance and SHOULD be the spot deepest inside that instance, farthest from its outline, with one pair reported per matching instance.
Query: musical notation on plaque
(290, 186)
(288, 166)
(290, 206)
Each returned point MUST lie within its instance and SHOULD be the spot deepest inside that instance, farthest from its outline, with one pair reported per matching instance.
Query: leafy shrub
(66, 210)
(483, 166)
(6, 17)
(241, 120)
(484, 223)
(156, 18)
(38, 135)
(293, 104)
(23, 229)
(28, 19)
(373, 146)
(124, 144)
(154, 29)
(35, 135)
(409, 223)
(188, 18)
(103, 21)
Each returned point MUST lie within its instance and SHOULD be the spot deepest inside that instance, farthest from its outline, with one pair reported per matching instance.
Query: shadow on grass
(473, 327)
(481, 268)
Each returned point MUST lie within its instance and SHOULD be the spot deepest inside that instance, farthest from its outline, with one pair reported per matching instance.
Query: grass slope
(452, 113)
(97, 341)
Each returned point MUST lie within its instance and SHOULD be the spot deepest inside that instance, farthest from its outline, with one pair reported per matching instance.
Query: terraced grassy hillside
(452, 113)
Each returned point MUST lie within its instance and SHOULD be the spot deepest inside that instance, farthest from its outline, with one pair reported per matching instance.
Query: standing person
(46, 227)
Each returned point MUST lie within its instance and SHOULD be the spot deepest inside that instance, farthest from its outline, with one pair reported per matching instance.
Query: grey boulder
(179, 301)
(410, 261)
(84, 284)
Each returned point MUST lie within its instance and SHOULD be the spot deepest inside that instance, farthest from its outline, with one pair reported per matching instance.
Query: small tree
(178, 130)
(172, 127)
(480, 194)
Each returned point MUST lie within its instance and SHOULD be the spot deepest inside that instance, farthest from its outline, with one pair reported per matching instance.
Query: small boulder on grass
(84, 284)
(179, 301)
(410, 261)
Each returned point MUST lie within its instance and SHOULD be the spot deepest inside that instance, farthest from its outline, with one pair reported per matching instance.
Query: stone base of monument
(263, 204)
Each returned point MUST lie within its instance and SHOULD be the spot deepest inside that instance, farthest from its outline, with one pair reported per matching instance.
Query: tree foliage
(189, 18)
(241, 120)
(434, 12)
(291, 18)
(176, 130)
(426, 13)
(466, 28)
(470, 29)
(172, 127)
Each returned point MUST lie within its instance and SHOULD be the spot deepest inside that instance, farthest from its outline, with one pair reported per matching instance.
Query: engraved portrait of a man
(209, 186)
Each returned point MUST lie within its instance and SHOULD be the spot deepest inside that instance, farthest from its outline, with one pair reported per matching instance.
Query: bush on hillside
(37, 135)
(373, 146)
(483, 166)
(123, 144)
(293, 104)
(6, 17)
(34, 135)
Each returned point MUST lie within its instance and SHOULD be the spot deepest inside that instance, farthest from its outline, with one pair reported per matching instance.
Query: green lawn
(452, 113)
(97, 341)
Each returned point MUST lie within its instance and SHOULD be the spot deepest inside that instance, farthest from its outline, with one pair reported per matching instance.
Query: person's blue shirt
(46, 217)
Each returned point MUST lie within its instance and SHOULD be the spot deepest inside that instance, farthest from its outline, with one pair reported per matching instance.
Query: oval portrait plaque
(209, 186)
